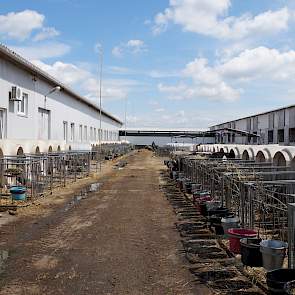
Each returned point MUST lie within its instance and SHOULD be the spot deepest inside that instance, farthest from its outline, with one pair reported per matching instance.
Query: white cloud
(178, 120)
(134, 46)
(219, 92)
(201, 73)
(163, 74)
(207, 83)
(65, 72)
(209, 17)
(122, 70)
(46, 33)
(132, 120)
(117, 51)
(260, 63)
(224, 80)
(42, 51)
(86, 82)
(111, 89)
(19, 25)
(153, 103)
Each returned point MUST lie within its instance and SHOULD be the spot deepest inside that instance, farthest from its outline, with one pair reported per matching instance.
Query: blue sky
(180, 63)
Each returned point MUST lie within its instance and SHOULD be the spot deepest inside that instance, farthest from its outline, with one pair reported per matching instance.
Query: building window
(218, 138)
(72, 131)
(85, 133)
(22, 106)
(292, 135)
(281, 137)
(233, 138)
(94, 133)
(81, 133)
(271, 120)
(270, 136)
(91, 134)
(255, 138)
(2, 123)
(65, 130)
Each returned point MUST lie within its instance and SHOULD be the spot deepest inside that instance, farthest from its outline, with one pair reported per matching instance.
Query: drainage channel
(209, 262)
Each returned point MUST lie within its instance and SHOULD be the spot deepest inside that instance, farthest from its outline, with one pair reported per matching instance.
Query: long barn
(38, 113)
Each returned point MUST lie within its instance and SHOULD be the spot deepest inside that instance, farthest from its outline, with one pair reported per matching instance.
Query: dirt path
(119, 240)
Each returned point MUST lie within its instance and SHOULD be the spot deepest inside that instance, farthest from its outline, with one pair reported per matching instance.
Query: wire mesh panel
(258, 193)
(40, 173)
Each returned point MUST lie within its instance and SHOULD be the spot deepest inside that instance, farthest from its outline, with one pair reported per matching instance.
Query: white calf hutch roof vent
(16, 94)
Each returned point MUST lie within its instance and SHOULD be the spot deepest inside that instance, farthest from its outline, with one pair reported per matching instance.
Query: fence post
(291, 235)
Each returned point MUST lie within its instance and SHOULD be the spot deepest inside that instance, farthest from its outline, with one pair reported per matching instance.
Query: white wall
(161, 140)
(62, 107)
(284, 119)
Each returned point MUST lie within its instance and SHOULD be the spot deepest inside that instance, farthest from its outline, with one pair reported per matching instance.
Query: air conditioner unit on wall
(16, 94)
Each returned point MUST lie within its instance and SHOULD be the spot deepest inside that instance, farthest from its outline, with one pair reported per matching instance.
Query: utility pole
(126, 120)
(100, 52)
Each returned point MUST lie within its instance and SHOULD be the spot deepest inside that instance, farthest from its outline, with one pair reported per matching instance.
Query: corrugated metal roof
(25, 64)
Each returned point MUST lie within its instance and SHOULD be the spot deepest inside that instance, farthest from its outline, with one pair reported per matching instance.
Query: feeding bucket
(273, 253)
(199, 195)
(228, 222)
(211, 205)
(250, 252)
(235, 235)
(188, 187)
(276, 280)
(215, 221)
(219, 210)
(202, 204)
(18, 193)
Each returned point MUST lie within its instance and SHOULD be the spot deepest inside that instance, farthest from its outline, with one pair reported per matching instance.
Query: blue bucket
(18, 193)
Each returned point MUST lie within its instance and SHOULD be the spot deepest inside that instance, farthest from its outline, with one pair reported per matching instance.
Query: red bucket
(200, 200)
(235, 234)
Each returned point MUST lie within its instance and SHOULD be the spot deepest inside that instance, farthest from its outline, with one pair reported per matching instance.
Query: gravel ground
(118, 240)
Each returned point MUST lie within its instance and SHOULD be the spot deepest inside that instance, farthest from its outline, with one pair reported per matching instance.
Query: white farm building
(39, 114)
(263, 137)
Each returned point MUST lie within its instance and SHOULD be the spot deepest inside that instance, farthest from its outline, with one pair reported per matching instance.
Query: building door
(44, 124)
(2, 123)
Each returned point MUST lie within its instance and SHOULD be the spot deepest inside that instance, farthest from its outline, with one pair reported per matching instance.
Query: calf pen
(258, 193)
(40, 173)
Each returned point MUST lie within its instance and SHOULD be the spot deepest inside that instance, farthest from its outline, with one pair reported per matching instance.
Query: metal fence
(258, 193)
(40, 173)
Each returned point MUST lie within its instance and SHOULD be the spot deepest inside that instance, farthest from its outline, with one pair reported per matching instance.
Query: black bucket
(250, 252)
(215, 221)
(203, 208)
(216, 218)
(188, 187)
(276, 279)
(221, 210)
(218, 229)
